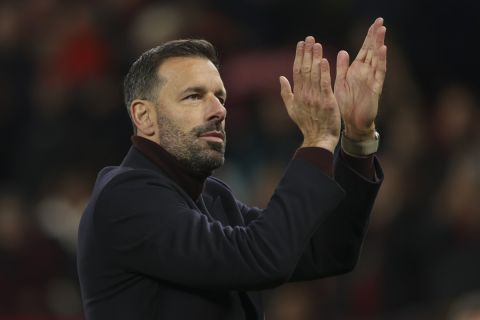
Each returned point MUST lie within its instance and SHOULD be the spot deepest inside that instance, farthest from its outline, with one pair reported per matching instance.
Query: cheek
(188, 121)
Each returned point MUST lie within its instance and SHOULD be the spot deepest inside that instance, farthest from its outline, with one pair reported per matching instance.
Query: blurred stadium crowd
(62, 118)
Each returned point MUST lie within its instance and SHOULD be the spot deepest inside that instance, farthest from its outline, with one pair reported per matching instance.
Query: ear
(144, 117)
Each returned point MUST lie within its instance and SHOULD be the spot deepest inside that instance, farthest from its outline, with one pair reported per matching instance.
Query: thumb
(286, 91)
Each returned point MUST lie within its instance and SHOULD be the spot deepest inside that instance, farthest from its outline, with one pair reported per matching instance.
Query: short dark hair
(142, 79)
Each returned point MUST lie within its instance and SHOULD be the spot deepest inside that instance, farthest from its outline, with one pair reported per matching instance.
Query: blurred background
(62, 119)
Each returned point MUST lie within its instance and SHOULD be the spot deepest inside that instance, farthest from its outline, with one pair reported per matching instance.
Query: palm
(358, 95)
(358, 86)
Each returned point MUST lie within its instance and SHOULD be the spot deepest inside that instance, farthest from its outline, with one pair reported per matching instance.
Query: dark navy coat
(146, 250)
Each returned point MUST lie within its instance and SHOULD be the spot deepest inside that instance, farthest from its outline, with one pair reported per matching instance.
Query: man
(161, 239)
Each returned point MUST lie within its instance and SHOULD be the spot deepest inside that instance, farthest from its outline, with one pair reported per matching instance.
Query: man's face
(190, 113)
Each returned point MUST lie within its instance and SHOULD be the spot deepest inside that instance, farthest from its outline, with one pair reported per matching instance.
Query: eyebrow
(203, 90)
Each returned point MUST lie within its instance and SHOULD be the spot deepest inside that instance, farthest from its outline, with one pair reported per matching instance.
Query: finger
(342, 67)
(362, 53)
(380, 70)
(379, 42)
(286, 92)
(307, 58)
(325, 82)
(297, 65)
(369, 56)
(369, 39)
(380, 37)
(317, 58)
(376, 40)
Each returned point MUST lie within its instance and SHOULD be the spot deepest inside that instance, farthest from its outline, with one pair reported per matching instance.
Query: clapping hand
(311, 104)
(358, 86)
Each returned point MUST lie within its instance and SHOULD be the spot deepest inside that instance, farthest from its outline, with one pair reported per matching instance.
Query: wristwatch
(360, 148)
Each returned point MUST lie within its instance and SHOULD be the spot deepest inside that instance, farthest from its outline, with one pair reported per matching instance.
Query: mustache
(212, 125)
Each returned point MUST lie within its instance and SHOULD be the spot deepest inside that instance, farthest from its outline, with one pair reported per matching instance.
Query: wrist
(329, 143)
(360, 148)
(359, 135)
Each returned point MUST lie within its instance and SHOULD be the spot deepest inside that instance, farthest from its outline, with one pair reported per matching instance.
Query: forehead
(179, 73)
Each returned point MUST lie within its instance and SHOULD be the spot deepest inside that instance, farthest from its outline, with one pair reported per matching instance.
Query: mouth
(215, 136)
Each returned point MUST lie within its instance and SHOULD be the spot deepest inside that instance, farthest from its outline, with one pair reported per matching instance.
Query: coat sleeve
(335, 246)
(144, 226)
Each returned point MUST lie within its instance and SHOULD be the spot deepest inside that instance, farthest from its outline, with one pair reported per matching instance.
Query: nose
(215, 110)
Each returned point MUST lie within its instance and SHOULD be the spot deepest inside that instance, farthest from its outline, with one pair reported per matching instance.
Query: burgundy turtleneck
(193, 185)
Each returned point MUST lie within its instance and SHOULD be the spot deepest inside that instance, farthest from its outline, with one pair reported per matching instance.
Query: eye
(194, 96)
(222, 100)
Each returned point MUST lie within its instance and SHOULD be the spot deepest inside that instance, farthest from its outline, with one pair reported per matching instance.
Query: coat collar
(170, 166)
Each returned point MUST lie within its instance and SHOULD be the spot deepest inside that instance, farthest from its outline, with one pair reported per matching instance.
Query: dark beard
(203, 166)
(187, 148)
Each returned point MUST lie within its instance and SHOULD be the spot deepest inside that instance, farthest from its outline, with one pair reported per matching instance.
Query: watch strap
(360, 148)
